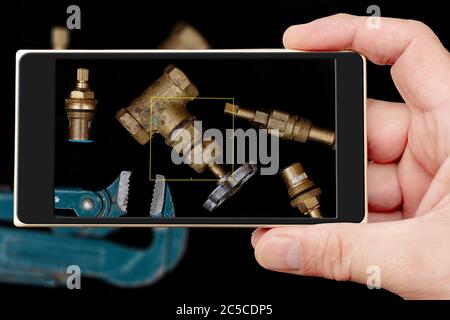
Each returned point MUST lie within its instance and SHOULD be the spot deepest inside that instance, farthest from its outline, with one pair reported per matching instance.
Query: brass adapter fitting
(81, 107)
(289, 126)
(302, 191)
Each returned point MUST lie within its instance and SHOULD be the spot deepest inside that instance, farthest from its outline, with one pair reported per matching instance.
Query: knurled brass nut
(306, 205)
(260, 119)
(311, 203)
(302, 186)
(281, 115)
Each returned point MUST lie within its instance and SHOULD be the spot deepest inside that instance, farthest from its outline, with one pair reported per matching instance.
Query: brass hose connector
(288, 126)
(81, 107)
(303, 192)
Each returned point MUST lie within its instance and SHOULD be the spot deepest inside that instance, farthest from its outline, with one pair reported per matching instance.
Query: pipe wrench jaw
(157, 191)
(161, 200)
(157, 204)
(117, 193)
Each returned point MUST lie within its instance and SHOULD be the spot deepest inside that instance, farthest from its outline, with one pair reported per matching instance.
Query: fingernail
(256, 235)
(281, 253)
(253, 239)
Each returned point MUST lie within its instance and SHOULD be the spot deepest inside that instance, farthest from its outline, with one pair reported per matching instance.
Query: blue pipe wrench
(40, 258)
(110, 202)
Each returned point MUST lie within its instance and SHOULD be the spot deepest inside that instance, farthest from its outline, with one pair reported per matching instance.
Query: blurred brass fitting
(289, 126)
(185, 36)
(60, 38)
(303, 192)
(81, 107)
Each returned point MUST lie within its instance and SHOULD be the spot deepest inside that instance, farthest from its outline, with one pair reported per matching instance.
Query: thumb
(341, 251)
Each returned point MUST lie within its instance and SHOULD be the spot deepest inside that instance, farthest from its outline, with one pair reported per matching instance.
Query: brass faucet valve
(164, 104)
(288, 126)
(303, 192)
(81, 107)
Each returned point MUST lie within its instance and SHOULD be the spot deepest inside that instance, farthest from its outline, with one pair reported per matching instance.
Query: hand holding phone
(406, 252)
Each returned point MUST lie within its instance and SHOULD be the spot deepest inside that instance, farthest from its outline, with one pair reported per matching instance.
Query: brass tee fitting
(166, 100)
(288, 126)
(81, 107)
(303, 192)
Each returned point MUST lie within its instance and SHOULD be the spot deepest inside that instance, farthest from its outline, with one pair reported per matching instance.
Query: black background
(302, 86)
(219, 266)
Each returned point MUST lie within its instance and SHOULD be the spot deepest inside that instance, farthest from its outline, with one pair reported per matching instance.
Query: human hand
(408, 175)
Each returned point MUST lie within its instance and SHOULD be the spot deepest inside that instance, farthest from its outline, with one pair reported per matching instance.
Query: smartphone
(216, 138)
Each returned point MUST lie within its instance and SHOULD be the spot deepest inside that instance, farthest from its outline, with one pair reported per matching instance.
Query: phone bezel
(30, 202)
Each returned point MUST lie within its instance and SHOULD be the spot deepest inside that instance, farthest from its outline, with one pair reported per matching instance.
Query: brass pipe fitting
(81, 107)
(161, 108)
(186, 37)
(303, 192)
(136, 117)
(165, 103)
(288, 126)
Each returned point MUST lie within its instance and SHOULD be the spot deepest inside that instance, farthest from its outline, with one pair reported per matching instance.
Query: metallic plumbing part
(229, 185)
(122, 193)
(60, 38)
(81, 107)
(167, 98)
(303, 192)
(158, 196)
(289, 126)
(164, 102)
(185, 36)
